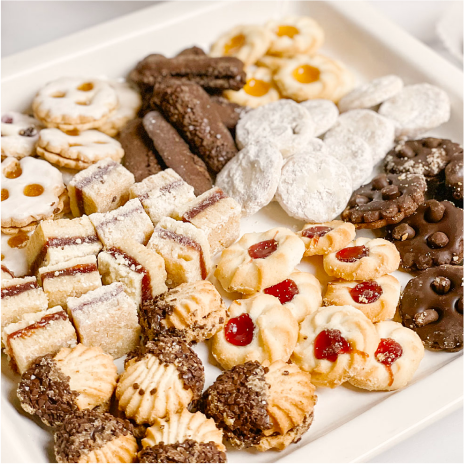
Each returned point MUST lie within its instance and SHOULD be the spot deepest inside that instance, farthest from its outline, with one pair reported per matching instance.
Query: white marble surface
(28, 24)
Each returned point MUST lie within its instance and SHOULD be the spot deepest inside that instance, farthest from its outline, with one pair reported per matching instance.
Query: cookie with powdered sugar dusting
(323, 112)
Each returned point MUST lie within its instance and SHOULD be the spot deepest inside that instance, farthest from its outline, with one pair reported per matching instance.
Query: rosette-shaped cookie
(75, 379)
(258, 329)
(261, 407)
(334, 344)
(160, 379)
(259, 260)
(395, 360)
(363, 259)
(89, 436)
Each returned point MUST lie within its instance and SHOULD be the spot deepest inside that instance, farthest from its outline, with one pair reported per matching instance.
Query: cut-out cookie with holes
(70, 103)
(32, 190)
(77, 150)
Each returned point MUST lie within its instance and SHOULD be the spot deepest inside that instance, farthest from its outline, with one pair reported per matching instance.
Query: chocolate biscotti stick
(228, 112)
(195, 51)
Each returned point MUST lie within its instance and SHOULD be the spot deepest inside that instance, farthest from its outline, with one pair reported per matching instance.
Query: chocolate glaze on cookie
(431, 305)
(228, 112)
(387, 199)
(454, 180)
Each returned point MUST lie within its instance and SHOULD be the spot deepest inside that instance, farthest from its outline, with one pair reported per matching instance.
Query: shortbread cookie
(162, 193)
(252, 176)
(160, 379)
(259, 260)
(248, 43)
(313, 188)
(216, 214)
(70, 103)
(75, 379)
(334, 344)
(106, 317)
(129, 220)
(185, 250)
(262, 407)
(362, 259)
(377, 131)
(387, 199)
(395, 360)
(77, 150)
(324, 238)
(323, 112)
(138, 268)
(377, 299)
(192, 311)
(285, 123)
(295, 34)
(35, 335)
(257, 329)
(372, 93)
(70, 278)
(274, 63)
(20, 133)
(14, 253)
(100, 188)
(417, 109)
(90, 436)
(258, 90)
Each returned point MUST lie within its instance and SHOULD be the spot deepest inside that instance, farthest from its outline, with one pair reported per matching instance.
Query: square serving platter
(350, 425)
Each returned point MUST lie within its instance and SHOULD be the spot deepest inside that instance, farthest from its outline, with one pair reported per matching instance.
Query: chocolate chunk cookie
(432, 236)
(431, 305)
(387, 199)
(454, 180)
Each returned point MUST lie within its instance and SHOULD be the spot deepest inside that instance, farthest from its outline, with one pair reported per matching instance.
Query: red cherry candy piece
(366, 292)
(239, 330)
(262, 250)
(388, 351)
(352, 254)
(317, 231)
(285, 291)
(329, 344)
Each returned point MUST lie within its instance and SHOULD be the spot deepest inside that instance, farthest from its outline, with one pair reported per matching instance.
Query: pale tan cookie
(274, 63)
(259, 260)
(70, 103)
(377, 299)
(258, 329)
(335, 344)
(295, 34)
(363, 259)
(247, 43)
(394, 361)
(14, 253)
(258, 90)
(324, 238)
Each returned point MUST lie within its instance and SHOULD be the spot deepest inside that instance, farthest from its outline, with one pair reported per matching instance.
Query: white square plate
(350, 425)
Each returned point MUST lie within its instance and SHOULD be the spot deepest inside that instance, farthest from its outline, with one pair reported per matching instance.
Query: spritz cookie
(70, 103)
(20, 133)
(323, 112)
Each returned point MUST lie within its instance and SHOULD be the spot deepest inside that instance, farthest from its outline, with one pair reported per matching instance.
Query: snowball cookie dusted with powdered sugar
(313, 188)
(417, 109)
(323, 112)
(252, 176)
(372, 93)
(283, 122)
(378, 132)
(314, 146)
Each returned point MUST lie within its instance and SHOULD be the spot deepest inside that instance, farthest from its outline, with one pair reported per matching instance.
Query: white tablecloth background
(28, 24)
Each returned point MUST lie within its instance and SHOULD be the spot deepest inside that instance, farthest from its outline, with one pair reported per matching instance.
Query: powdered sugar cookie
(283, 122)
(372, 93)
(313, 188)
(14, 253)
(75, 103)
(20, 133)
(378, 132)
(323, 112)
(258, 90)
(295, 34)
(247, 43)
(77, 150)
(314, 146)
(252, 176)
(417, 109)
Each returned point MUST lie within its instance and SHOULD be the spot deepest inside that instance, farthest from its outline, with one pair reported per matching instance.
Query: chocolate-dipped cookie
(432, 236)
(228, 112)
(431, 305)
(387, 199)
(454, 180)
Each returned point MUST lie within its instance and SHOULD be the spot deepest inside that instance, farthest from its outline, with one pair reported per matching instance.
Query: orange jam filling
(18, 240)
(5, 194)
(14, 173)
(256, 87)
(306, 74)
(72, 132)
(86, 87)
(289, 31)
(33, 190)
(234, 44)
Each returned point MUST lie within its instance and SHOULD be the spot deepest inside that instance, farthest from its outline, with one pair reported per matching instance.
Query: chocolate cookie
(431, 305)
(387, 199)
(453, 181)
(432, 236)
(228, 112)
